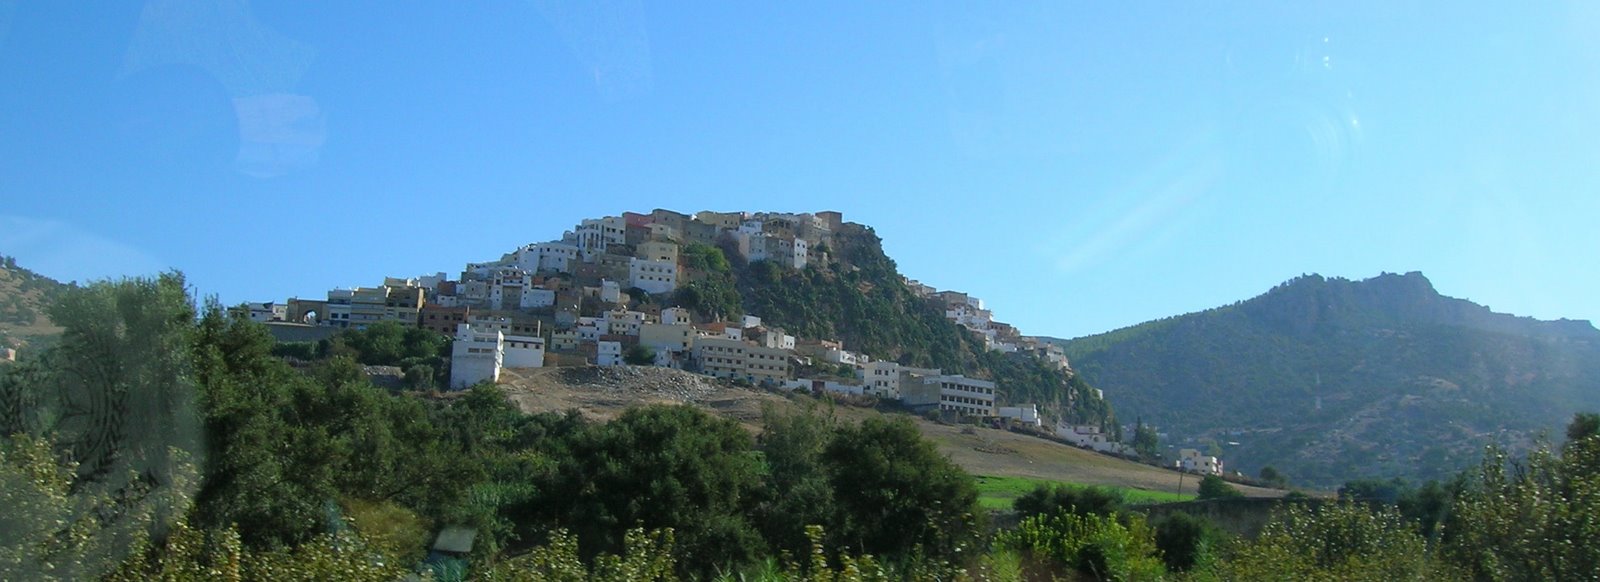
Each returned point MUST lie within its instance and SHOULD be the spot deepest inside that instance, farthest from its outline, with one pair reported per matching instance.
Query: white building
(535, 298)
(623, 321)
(882, 379)
(609, 354)
(675, 316)
(610, 291)
(1192, 461)
(653, 276)
(476, 356)
(523, 351)
(967, 396)
(554, 256)
(594, 235)
(1027, 413)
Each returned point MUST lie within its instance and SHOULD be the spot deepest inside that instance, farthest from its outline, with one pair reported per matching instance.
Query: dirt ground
(604, 393)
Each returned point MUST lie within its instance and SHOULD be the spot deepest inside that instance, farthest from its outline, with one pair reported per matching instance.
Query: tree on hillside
(1214, 487)
(1273, 478)
(662, 467)
(1146, 442)
(896, 492)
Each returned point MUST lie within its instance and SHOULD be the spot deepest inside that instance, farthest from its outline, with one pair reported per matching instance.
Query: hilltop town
(622, 290)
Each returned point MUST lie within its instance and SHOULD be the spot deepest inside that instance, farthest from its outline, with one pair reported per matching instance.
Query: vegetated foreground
(604, 393)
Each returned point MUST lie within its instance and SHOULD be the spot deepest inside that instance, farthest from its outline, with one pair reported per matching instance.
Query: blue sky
(1081, 165)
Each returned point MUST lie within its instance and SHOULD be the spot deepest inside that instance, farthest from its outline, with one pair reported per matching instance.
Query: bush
(1186, 541)
(1100, 547)
(1052, 499)
(1214, 487)
(1343, 541)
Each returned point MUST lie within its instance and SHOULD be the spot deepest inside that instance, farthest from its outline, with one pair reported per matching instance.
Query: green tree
(1146, 442)
(1214, 487)
(662, 467)
(1273, 478)
(1186, 542)
(639, 355)
(1533, 519)
(799, 493)
(896, 493)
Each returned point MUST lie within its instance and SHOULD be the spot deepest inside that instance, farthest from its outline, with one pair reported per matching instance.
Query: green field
(999, 492)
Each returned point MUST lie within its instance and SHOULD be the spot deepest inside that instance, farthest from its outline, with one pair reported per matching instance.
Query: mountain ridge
(1309, 376)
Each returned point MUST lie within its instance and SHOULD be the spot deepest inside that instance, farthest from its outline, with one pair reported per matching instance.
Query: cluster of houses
(601, 294)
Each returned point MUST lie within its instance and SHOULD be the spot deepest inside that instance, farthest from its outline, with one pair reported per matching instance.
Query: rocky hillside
(1331, 379)
(859, 297)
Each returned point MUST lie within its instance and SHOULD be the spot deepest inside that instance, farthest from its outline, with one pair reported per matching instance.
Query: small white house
(609, 354)
(475, 356)
(1027, 413)
(523, 351)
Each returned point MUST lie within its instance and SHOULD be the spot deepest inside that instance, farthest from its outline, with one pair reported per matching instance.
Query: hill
(1328, 379)
(24, 300)
(604, 393)
(859, 297)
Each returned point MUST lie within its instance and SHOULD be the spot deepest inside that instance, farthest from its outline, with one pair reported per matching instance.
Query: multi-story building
(610, 291)
(721, 357)
(506, 286)
(654, 276)
(1193, 461)
(677, 337)
(675, 315)
(666, 252)
(951, 392)
(476, 356)
(594, 236)
(623, 322)
(442, 319)
(881, 378)
(967, 396)
(765, 365)
(564, 341)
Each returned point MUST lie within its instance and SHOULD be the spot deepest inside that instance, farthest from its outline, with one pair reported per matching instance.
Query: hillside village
(606, 294)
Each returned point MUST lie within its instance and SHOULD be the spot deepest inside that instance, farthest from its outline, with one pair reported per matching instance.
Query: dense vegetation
(158, 441)
(1329, 380)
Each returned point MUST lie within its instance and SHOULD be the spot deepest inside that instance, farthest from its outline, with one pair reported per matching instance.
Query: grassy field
(998, 492)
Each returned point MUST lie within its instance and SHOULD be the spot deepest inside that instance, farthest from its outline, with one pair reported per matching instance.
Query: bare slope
(603, 393)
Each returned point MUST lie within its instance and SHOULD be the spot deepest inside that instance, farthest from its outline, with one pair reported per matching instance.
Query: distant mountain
(1331, 379)
(24, 299)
